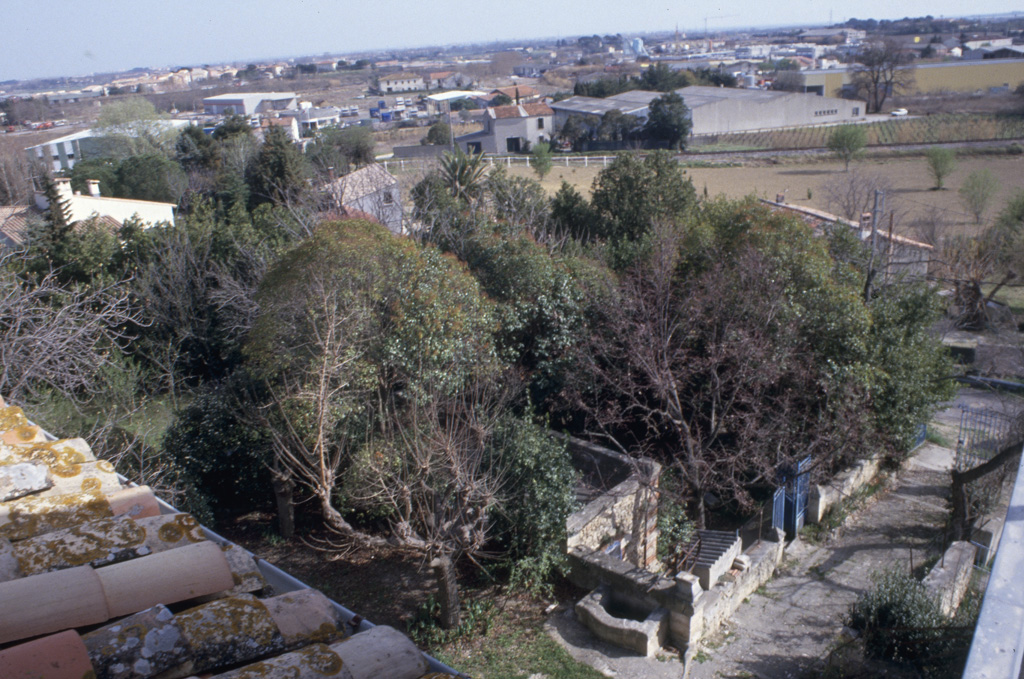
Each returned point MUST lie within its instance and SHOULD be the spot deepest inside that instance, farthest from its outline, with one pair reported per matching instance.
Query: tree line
(402, 388)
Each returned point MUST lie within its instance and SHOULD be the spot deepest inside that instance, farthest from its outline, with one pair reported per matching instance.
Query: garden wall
(949, 578)
(841, 487)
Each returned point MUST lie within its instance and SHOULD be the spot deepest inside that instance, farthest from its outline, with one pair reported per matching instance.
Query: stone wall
(841, 487)
(692, 610)
(949, 578)
(627, 512)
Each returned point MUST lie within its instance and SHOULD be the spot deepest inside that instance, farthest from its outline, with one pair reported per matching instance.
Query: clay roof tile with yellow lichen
(80, 547)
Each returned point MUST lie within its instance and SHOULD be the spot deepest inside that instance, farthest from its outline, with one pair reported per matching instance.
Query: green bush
(675, 529)
(226, 458)
(540, 496)
(900, 620)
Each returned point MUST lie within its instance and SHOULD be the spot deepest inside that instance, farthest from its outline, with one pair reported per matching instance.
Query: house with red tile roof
(510, 129)
(519, 94)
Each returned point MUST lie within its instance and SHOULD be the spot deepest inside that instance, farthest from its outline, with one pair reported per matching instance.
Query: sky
(52, 38)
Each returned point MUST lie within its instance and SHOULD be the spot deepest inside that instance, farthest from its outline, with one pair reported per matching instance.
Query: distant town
(678, 354)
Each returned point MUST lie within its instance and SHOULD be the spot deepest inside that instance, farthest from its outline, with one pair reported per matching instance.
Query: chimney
(63, 185)
(94, 187)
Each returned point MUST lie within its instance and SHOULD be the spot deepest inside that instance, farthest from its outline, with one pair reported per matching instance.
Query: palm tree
(464, 173)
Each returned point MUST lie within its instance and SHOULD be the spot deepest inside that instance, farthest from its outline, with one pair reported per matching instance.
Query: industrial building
(720, 110)
(249, 103)
(62, 153)
(954, 76)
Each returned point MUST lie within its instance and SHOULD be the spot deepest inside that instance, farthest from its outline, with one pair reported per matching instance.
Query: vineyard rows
(944, 127)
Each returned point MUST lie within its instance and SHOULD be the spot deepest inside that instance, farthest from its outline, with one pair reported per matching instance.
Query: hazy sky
(75, 37)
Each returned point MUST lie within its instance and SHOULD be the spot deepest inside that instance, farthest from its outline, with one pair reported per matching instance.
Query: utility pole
(876, 214)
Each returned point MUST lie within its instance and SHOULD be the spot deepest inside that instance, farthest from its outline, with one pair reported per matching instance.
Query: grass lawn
(515, 646)
(1012, 296)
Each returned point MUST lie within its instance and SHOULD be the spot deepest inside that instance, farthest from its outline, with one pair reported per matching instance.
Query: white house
(370, 190)
(510, 129)
(80, 207)
(401, 82)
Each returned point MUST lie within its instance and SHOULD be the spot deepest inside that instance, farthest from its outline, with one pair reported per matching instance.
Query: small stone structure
(718, 550)
(615, 622)
(949, 578)
(630, 603)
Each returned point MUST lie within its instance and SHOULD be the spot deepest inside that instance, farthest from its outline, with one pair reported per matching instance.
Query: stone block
(950, 577)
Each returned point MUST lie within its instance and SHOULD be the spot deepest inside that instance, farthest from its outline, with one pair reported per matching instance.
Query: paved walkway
(787, 627)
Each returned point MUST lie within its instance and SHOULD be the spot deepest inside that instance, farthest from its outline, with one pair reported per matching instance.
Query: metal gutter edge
(997, 651)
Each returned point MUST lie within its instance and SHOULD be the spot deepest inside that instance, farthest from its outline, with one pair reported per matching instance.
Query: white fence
(405, 164)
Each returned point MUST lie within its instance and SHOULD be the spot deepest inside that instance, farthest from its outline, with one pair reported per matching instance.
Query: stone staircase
(718, 550)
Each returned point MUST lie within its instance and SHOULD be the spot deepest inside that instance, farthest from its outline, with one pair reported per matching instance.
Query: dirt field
(909, 193)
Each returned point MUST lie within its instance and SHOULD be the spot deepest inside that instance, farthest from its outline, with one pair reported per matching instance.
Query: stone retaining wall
(949, 578)
(627, 512)
(692, 610)
(841, 487)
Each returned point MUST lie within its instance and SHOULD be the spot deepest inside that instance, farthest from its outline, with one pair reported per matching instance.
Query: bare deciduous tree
(710, 376)
(57, 339)
(883, 69)
(852, 193)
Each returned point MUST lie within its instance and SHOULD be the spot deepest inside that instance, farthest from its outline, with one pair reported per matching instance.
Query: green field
(943, 127)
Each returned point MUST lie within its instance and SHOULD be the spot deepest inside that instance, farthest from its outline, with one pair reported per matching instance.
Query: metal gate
(789, 503)
(779, 508)
(982, 432)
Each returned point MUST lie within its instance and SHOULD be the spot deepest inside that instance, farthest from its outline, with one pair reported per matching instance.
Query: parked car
(899, 112)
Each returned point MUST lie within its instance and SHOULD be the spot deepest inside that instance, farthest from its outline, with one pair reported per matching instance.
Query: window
(856, 110)
(388, 198)
(540, 123)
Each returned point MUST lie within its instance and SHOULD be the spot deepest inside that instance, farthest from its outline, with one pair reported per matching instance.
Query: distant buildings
(510, 129)
(250, 103)
(951, 76)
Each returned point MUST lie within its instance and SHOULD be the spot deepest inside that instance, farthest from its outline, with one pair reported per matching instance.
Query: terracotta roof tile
(15, 221)
(81, 549)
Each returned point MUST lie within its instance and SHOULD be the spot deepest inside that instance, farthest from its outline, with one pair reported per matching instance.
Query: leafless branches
(711, 376)
(52, 338)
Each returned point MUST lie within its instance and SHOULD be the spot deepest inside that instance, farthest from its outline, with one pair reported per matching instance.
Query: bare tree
(436, 480)
(883, 69)
(710, 376)
(58, 339)
(852, 193)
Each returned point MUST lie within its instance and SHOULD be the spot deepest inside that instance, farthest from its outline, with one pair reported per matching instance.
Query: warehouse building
(721, 110)
(956, 76)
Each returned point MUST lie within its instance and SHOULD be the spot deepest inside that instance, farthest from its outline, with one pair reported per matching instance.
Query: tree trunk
(961, 527)
(284, 489)
(447, 591)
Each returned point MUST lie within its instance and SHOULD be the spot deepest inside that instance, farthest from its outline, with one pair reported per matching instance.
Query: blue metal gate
(779, 508)
(789, 504)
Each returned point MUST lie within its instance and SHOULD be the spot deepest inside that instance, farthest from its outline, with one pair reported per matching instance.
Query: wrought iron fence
(982, 433)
